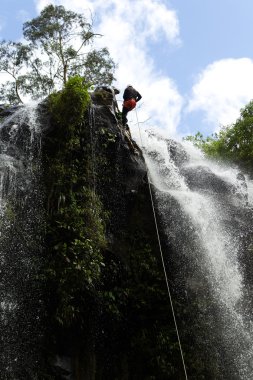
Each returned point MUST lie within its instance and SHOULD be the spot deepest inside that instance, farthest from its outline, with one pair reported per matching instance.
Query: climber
(131, 97)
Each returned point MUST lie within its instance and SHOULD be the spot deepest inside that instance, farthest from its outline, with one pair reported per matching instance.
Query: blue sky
(192, 60)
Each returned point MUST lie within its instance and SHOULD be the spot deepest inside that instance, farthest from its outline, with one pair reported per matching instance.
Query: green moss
(75, 228)
(69, 105)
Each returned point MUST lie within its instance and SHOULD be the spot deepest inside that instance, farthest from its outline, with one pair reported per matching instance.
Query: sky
(191, 60)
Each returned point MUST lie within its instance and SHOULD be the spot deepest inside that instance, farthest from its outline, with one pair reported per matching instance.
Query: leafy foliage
(99, 67)
(69, 105)
(57, 31)
(234, 143)
(13, 57)
(107, 302)
(58, 47)
(75, 226)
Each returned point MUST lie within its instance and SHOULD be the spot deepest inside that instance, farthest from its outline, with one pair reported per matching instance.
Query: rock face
(202, 178)
(120, 325)
(124, 328)
(129, 319)
(122, 170)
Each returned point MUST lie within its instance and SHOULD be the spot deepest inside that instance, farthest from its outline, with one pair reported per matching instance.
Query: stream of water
(21, 220)
(206, 213)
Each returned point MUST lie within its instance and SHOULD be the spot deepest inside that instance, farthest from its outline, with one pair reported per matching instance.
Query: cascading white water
(214, 204)
(21, 222)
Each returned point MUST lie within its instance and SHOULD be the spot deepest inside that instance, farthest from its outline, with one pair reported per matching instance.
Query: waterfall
(206, 212)
(21, 231)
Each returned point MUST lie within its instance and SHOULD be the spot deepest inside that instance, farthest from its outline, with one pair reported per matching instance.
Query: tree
(234, 142)
(98, 67)
(13, 58)
(62, 36)
(58, 47)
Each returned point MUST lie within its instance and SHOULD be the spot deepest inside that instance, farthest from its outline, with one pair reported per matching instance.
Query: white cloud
(222, 89)
(150, 18)
(128, 27)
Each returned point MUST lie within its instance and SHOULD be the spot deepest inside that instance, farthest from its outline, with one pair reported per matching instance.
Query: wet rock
(177, 152)
(203, 179)
(8, 110)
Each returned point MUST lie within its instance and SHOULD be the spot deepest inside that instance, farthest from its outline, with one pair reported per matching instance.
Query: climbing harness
(162, 258)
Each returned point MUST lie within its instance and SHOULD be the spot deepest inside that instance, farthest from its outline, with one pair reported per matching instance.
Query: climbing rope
(91, 125)
(162, 258)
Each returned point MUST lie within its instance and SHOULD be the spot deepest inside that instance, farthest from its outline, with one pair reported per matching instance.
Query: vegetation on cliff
(76, 230)
(108, 308)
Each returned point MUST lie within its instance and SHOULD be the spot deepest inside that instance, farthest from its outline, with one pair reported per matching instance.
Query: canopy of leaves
(56, 23)
(234, 143)
(13, 58)
(99, 67)
(58, 47)
(61, 34)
